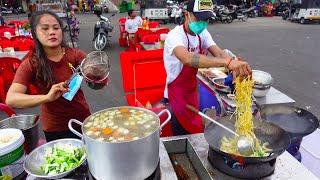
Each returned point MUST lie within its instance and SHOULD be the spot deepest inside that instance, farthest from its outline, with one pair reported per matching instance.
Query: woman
(49, 71)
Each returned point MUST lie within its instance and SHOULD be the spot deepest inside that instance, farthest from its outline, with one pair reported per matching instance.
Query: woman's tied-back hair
(40, 59)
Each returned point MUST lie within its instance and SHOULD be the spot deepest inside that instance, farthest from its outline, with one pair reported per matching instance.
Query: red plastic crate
(146, 67)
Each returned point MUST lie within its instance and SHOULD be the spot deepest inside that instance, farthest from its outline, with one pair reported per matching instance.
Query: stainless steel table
(273, 97)
(287, 167)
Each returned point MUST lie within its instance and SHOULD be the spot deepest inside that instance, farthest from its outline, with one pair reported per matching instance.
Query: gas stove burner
(83, 173)
(240, 170)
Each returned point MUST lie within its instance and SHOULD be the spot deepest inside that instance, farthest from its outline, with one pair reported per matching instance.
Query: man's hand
(240, 68)
(57, 91)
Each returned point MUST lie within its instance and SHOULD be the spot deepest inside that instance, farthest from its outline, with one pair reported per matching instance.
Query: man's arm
(217, 52)
(200, 61)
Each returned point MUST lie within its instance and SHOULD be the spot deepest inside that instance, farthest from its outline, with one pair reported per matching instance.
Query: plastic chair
(6, 109)
(150, 38)
(15, 23)
(5, 42)
(154, 24)
(123, 34)
(142, 32)
(162, 31)
(8, 68)
(122, 22)
(23, 43)
(4, 29)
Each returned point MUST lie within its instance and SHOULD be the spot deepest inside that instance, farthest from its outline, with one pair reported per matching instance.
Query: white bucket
(310, 152)
(11, 152)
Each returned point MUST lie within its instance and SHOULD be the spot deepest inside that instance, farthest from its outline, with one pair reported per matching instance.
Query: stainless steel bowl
(262, 83)
(219, 85)
(261, 78)
(36, 159)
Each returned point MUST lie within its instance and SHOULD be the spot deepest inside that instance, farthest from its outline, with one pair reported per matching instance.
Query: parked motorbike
(102, 30)
(237, 13)
(250, 12)
(221, 14)
(285, 13)
(176, 14)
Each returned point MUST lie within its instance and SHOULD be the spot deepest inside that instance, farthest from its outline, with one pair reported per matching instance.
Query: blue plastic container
(207, 99)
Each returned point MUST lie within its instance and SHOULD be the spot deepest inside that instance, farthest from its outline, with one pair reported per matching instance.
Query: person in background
(39, 6)
(29, 17)
(133, 22)
(49, 71)
(75, 28)
(142, 7)
(1, 18)
(83, 6)
(131, 26)
(185, 51)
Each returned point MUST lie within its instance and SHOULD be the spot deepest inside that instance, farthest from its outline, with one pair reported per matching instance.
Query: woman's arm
(17, 97)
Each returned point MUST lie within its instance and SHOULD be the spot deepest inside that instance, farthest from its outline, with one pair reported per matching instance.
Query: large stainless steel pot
(123, 160)
(30, 126)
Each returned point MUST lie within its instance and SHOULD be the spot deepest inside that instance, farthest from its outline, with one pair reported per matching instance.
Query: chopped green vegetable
(62, 158)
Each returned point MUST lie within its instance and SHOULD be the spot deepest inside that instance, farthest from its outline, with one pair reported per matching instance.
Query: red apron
(183, 91)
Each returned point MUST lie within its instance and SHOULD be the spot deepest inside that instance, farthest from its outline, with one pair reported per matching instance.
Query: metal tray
(187, 158)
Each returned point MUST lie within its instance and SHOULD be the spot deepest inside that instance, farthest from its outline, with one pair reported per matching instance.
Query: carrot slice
(124, 110)
(107, 131)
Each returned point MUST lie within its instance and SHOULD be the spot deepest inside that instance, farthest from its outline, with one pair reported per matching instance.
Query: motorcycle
(237, 13)
(221, 14)
(285, 13)
(177, 14)
(250, 12)
(102, 29)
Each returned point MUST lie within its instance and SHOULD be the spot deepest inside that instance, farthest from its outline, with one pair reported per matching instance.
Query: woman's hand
(56, 91)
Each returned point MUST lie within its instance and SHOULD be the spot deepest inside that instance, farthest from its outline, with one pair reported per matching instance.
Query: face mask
(198, 26)
(73, 86)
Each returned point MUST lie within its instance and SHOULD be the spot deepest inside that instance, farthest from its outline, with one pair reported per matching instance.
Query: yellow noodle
(244, 120)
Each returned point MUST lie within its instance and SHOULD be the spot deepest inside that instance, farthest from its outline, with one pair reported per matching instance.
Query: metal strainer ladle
(245, 145)
(95, 68)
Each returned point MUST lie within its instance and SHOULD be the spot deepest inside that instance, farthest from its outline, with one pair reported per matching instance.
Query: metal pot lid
(261, 77)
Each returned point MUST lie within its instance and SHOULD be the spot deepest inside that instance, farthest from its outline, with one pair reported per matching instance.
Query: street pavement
(290, 52)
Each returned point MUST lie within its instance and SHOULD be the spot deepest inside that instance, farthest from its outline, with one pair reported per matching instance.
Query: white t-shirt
(132, 25)
(177, 37)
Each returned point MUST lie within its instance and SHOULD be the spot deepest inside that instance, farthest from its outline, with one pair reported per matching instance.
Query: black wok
(277, 138)
(296, 121)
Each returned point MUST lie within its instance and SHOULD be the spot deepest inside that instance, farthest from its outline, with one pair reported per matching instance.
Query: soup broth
(120, 125)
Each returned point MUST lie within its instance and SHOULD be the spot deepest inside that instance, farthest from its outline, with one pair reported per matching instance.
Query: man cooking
(184, 52)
